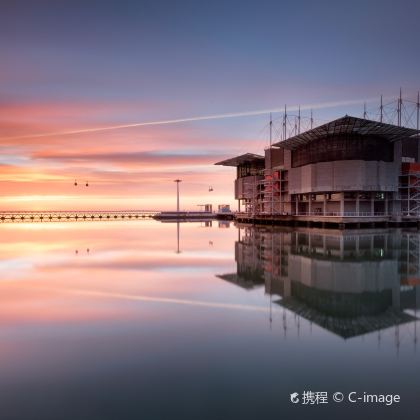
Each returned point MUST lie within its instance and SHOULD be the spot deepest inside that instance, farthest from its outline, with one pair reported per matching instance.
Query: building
(350, 283)
(350, 169)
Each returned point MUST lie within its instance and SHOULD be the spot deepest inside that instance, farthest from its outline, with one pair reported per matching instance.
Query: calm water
(121, 320)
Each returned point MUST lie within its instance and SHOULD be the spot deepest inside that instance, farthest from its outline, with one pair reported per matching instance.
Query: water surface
(149, 320)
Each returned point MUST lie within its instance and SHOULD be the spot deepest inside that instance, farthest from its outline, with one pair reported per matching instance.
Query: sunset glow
(125, 112)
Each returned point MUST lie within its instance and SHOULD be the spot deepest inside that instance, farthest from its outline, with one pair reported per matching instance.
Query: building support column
(372, 204)
(417, 304)
(310, 204)
(342, 204)
(386, 204)
(324, 209)
(357, 203)
(287, 287)
(396, 295)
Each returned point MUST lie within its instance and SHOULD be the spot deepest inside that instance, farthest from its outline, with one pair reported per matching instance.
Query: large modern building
(350, 168)
(350, 283)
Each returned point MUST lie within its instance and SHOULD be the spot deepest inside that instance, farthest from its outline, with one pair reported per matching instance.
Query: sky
(69, 67)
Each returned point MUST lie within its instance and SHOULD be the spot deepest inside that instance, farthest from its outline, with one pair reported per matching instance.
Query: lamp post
(177, 193)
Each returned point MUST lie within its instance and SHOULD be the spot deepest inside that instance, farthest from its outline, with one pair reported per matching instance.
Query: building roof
(347, 327)
(247, 283)
(347, 125)
(241, 159)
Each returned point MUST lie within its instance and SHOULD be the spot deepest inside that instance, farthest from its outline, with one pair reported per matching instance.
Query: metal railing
(73, 215)
(344, 214)
(327, 214)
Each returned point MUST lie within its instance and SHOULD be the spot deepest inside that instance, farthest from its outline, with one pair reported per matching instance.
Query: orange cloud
(125, 168)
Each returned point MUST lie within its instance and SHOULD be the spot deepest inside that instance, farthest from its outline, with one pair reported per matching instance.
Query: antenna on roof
(399, 106)
(299, 121)
(271, 130)
(418, 109)
(364, 111)
(284, 122)
(312, 120)
(381, 108)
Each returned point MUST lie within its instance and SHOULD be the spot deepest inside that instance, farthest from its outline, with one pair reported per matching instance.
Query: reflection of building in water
(349, 282)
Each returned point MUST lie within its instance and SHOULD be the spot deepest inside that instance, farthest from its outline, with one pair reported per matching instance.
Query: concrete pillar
(324, 209)
(287, 287)
(341, 247)
(309, 203)
(357, 203)
(386, 203)
(396, 205)
(281, 205)
(239, 206)
(372, 203)
(342, 204)
(396, 295)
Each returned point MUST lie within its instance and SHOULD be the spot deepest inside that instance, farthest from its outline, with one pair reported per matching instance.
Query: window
(344, 147)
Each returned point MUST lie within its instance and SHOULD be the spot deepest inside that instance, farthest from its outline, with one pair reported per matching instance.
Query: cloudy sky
(71, 66)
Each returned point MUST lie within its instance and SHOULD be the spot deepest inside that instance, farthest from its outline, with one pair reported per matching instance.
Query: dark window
(249, 169)
(344, 147)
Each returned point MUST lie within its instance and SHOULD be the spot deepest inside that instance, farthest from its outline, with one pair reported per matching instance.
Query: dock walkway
(74, 215)
(332, 220)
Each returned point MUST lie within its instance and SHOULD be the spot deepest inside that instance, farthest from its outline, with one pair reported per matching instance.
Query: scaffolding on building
(255, 196)
(409, 193)
(275, 188)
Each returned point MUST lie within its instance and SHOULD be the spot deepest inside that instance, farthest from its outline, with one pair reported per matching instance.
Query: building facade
(349, 282)
(349, 167)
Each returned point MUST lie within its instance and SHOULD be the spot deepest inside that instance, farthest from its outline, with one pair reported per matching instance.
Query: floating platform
(184, 216)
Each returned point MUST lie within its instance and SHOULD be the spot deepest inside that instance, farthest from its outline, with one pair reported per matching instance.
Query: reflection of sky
(167, 329)
(147, 61)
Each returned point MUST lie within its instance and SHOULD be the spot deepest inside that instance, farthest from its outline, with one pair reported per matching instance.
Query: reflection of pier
(348, 282)
(83, 215)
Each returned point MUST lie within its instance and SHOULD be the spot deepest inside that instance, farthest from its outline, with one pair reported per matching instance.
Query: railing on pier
(326, 214)
(83, 215)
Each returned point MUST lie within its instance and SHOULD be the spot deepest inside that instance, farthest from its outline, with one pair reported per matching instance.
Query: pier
(340, 221)
(74, 215)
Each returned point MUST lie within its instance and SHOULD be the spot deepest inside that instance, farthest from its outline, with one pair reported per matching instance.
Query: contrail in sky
(320, 105)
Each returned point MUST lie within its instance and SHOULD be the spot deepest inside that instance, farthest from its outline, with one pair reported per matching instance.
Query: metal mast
(177, 193)
(299, 121)
(284, 123)
(399, 109)
(381, 108)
